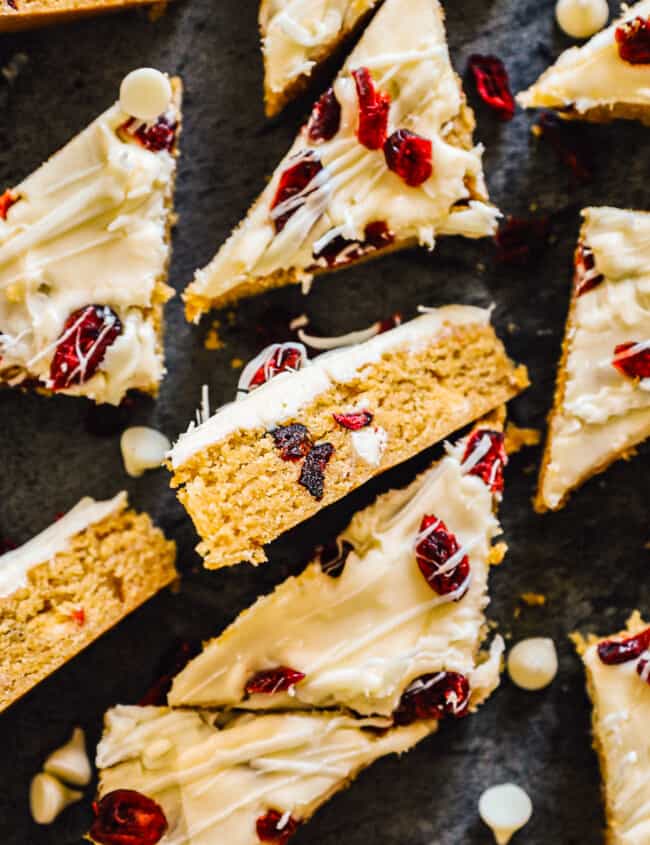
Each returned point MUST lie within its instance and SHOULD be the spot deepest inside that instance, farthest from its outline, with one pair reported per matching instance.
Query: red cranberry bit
(434, 697)
(519, 240)
(312, 475)
(325, 118)
(490, 466)
(79, 616)
(355, 420)
(12, 4)
(373, 110)
(643, 669)
(632, 359)
(333, 557)
(410, 156)
(340, 250)
(435, 546)
(493, 85)
(126, 817)
(293, 182)
(269, 831)
(158, 136)
(87, 334)
(585, 277)
(171, 664)
(633, 41)
(7, 199)
(568, 143)
(389, 323)
(270, 681)
(282, 359)
(293, 441)
(613, 652)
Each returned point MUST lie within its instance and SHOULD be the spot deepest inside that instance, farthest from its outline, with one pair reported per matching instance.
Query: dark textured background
(588, 559)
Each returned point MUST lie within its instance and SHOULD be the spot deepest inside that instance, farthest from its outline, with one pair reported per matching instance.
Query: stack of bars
(391, 620)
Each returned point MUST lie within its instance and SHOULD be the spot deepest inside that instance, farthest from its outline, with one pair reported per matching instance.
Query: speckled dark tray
(589, 560)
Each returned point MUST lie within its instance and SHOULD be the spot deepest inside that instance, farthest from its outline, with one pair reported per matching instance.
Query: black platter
(589, 560)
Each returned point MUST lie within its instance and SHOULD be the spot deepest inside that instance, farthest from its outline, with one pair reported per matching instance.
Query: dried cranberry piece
(282, 359)
(632, 359)
(633, 41)
(126, 817)
(12, 4)
(293, 182)
(158, 136)
(390, 323)
(7, 199)
(435, 546)
(434, 697)
(568, 143)
(355, 420)
(519, 240)
(341, 251)
(86, 335)
(493, 85)
(613, 652)
(373, 110)
(643, 669)
(312, 475)
(410, 156)
(171, 664)
(333, 557)
(268, 830)
(293, 441)
(79, 616)
(489, 467)
(585, 276)
(270, 681)
(325, 118)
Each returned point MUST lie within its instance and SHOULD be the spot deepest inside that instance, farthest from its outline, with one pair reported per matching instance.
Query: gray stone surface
(589, 559)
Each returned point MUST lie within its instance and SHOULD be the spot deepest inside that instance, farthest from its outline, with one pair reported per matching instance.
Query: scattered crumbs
(299, 322)
(212, 340)
(480, 267)
(517, 438)
(157, 11)
(231, 316)
(512, 328)
(497, 553)
(14, 66)
(236, 363)
(533, 599)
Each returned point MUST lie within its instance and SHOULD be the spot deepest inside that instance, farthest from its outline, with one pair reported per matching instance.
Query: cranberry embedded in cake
(354, 420)
(434, 696)
(270, 681)
(410, 156)
(632, 359)
(276, 827)
(633, 41)
(485, 456)
(312, 475)
(87, 334)
(325, 118)
(292, 441)
(373, 110)
(290, 194)
(493, 85)
(126, 817)
(441, 560)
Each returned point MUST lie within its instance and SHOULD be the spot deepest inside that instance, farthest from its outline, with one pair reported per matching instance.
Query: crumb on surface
(236, 363)
(212, 340)
(517, 438)
(533, 599)
(497, 553)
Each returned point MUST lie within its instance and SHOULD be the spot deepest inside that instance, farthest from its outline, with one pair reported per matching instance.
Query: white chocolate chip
(70, 763)
(505, 809)
(369, 444)
(532, 663)
(143, 448)
(48, 797)
(581, 18)
(145, 93)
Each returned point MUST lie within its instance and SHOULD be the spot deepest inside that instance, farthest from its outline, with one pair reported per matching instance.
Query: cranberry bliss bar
(384, 620)
(297, 35)
(602, 400)
(618, 681)
(72, 582)
(604, 79)
(386, 161)
(25, 14)
(84, 251)
(304, 439)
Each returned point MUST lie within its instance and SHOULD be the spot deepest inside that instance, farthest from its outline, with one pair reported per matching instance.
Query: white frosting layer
(214, 784)
(621, 716)
(405, 49)
(286, 394)
(89, 228)
(299, 33)
(603, 411)
(15, 565)
(361, 638)
(593, 75)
